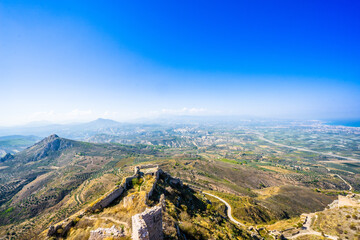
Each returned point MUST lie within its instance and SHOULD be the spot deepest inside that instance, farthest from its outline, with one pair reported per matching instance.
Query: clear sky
(78, 60)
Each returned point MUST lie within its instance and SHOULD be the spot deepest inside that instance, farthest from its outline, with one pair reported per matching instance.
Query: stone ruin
(108, 199)
(60, 229)
(145, 226)
(148, 225)
(102, 233)
(349, 200)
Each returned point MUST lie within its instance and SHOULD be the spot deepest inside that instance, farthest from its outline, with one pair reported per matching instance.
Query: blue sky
(64, 61)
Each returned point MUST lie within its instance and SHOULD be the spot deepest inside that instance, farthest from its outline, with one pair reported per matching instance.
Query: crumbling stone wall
(157, 176)
(103, 233)
(60, 229)
(107, 200)
(168, 178)
(148, 225)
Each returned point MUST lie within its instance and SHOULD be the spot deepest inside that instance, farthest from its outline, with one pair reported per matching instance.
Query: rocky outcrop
(7, 157)
(61, 229)
(148, 225)
(349, 200)
(102, 233)
(48, 146)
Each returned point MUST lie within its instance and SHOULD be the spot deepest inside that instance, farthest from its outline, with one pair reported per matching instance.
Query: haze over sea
(344, 122)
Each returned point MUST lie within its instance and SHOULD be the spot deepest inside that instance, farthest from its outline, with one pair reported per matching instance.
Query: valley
(251, 187)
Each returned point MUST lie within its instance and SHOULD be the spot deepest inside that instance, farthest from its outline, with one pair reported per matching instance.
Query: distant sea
(347, 123)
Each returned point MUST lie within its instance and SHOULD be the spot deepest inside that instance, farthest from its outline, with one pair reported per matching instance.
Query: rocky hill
(7, 157)
(62, 188)
(41, 178)
(150, 204)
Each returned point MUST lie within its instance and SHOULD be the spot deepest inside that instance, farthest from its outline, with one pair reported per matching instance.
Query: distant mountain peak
(8, 156)
(100, 123)
(105, 120)
(53, 136)
(48, 146)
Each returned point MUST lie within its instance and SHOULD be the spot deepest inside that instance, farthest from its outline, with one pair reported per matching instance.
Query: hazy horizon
(67, 62)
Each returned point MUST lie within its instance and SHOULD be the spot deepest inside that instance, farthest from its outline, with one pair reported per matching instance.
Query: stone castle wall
(107, 200)
(150, 193)
(64, 227)
(148, 225)
(168, 178)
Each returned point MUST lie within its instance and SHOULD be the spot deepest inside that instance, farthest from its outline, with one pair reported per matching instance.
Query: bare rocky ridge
(49, 145)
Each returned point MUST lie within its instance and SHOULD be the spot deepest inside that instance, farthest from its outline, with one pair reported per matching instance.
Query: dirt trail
(228, 209)
(350, 187)
(108, 218)
(307, 230)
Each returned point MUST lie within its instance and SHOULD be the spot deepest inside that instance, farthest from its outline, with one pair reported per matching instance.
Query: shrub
(352, 226)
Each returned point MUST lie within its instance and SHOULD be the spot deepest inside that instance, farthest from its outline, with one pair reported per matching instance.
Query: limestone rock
(128, 201)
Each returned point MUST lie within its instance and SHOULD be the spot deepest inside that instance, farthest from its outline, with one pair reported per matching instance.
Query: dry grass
(267, 192)
(311, 237)
(277, 169)
(343, 222)
(119, 213)
(285, 224)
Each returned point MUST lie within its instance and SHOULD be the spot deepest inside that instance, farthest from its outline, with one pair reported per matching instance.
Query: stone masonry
(148, 225)
(103, 233)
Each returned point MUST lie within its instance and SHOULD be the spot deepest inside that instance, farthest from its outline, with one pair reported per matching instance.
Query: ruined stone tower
(148, 225)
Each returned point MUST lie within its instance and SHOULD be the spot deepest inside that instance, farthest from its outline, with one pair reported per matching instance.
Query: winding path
(307, 230)
(108, 218)
(228, 209)
(350, 187)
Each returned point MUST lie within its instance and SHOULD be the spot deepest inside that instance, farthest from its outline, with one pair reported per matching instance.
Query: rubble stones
(102, 233)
